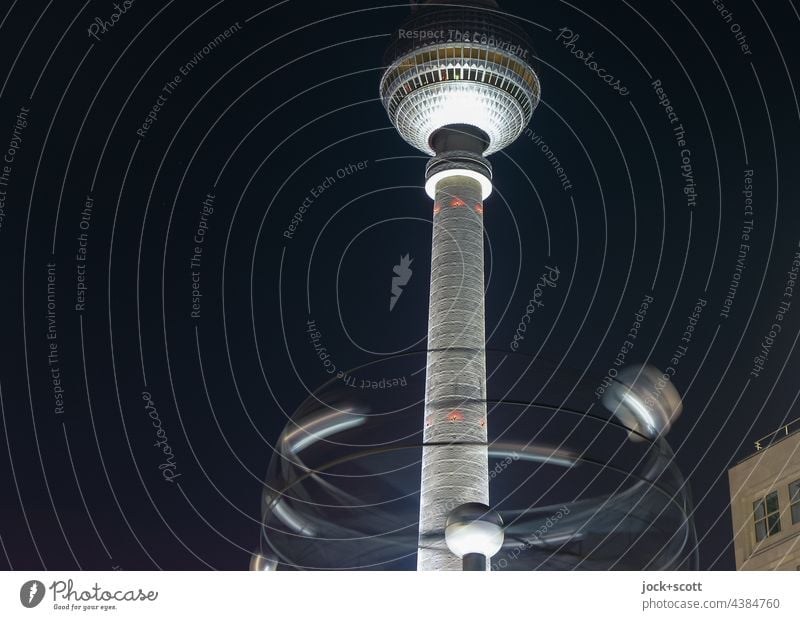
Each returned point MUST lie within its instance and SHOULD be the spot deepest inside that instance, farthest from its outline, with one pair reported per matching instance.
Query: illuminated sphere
(474, 528)
(263, 562)
(644, 400)
(460, 66)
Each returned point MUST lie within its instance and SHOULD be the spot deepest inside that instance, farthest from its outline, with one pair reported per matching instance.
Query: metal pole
(474, 561)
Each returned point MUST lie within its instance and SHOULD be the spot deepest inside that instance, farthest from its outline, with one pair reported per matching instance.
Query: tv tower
(337, 495)
(459, 86)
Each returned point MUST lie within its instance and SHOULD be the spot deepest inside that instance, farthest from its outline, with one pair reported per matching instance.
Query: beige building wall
(771, 469)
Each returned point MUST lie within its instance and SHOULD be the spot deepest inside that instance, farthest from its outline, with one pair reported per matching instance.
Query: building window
(794, 500)
(767, 517)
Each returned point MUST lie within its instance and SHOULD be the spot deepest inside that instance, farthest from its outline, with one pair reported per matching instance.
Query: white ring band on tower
(486, 182)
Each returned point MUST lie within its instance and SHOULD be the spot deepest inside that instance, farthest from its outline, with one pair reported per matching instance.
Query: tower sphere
(644, 400)
(465, 65)
(474, 528)
(263, 562)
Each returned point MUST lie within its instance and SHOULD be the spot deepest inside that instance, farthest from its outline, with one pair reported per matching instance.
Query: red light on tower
(455, 416)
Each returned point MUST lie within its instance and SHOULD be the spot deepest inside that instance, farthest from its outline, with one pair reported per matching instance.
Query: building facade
(765, 503)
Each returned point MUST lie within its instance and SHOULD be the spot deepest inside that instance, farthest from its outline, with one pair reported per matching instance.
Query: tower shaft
(458, 97)
(455, 456)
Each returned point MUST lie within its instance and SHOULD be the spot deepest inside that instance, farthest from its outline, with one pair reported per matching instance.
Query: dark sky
(285, 100)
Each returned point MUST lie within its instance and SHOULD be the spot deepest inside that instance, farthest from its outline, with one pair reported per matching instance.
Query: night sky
(155, 272)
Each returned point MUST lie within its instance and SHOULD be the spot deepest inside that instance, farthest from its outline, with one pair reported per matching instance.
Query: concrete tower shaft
(455, 457)
(459, 85)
